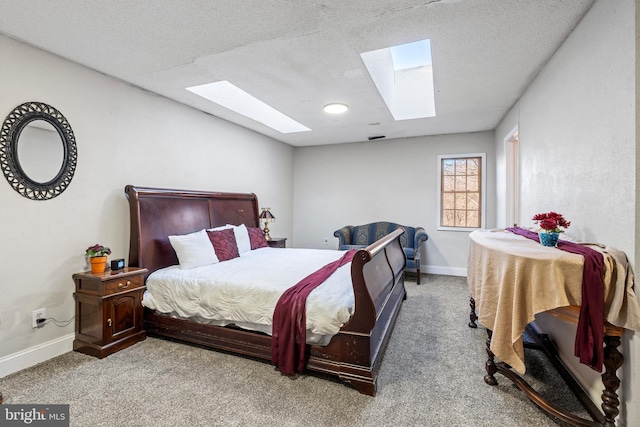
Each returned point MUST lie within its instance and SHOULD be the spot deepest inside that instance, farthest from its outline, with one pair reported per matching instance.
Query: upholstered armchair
(360, 236)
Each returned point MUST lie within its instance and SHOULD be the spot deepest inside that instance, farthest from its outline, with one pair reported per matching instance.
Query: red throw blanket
(590, 333)
(289, 330)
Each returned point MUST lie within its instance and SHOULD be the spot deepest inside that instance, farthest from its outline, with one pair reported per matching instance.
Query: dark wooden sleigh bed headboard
(157, 213)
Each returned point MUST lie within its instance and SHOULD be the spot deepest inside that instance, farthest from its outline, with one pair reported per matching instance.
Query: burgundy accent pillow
(224, 243)
(256, 237)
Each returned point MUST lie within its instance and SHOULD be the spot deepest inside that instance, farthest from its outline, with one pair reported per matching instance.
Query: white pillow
(242, 238)
(222, 227)
(194, 250)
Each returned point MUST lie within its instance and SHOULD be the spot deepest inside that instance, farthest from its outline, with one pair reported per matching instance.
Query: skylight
(235, 99)
(403, 75)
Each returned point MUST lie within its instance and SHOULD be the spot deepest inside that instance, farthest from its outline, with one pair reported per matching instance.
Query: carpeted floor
(431, 375)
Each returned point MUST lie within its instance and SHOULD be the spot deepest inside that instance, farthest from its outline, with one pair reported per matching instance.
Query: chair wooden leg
(418, 278)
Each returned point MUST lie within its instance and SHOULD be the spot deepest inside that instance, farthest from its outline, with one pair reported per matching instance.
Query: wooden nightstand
(277, 242)
(108, 310)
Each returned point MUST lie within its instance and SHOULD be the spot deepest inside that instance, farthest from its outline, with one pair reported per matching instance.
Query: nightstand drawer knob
(121, 286)
(109, 322)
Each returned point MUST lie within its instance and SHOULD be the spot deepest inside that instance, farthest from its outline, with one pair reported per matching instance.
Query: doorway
(512, 200)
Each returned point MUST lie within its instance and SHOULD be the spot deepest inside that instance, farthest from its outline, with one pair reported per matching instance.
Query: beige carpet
(431, 375)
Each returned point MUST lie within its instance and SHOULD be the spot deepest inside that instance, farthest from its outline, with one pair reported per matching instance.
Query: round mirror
(38, 151)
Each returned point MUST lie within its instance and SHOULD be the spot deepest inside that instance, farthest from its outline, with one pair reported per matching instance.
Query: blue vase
(549, 239)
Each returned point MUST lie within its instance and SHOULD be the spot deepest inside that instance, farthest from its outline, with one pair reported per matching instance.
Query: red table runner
(590, 334)
(289, 330)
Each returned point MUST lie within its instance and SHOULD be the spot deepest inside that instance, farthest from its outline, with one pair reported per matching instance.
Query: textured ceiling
(298, 56)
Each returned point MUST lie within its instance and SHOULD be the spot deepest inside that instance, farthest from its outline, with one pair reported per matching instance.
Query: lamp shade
(267, 215)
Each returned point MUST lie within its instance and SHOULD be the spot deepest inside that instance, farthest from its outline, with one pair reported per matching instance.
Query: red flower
(551, 221)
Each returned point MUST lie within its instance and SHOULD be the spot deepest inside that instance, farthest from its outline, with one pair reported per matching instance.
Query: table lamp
(267, 217)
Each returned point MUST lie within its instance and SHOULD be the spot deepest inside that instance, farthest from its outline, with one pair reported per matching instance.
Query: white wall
(634, 343)
(124, 136)
(388, 180)
(577, 136)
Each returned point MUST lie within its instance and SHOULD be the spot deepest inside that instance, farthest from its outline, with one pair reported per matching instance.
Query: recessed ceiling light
(235, 99)
(335, 108)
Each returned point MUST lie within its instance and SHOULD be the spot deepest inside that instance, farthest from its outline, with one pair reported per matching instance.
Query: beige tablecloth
(512, 278)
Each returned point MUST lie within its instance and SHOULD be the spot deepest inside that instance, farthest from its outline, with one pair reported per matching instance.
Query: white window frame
(483, 189)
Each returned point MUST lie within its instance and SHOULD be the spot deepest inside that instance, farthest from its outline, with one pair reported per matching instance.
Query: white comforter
(244, 291)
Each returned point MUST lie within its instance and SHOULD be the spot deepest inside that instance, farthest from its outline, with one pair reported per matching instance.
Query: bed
(353, 354)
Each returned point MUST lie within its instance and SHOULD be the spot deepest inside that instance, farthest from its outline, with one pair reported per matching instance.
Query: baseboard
(32, 356)
(444, 271)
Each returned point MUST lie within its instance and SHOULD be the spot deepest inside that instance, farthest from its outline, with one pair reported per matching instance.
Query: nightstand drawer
(277, 242)
(109, 282)
(122, 284)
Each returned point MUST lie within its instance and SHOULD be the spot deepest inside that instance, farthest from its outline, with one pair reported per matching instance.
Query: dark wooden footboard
(378, 283)
(353, 355)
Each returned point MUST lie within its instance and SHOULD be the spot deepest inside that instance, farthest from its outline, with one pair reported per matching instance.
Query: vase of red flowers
(550, 224)
(98, 257)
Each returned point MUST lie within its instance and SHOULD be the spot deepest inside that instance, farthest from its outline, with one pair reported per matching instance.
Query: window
(235, 99)
(462, 187)
(403, 75)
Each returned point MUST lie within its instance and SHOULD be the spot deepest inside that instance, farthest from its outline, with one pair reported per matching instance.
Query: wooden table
(512, 278)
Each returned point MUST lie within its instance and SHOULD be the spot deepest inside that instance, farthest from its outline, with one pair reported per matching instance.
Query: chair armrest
(419, 238)
(344, 235)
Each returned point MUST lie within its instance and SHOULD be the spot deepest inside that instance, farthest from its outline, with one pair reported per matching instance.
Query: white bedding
(244, 291)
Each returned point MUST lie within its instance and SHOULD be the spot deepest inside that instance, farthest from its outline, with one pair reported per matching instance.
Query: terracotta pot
(98, 264)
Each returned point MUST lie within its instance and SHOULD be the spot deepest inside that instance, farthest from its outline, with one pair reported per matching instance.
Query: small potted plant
(98, 257)
(550, 223)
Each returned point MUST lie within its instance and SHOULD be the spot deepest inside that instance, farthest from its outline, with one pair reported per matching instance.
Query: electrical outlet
(37, 314)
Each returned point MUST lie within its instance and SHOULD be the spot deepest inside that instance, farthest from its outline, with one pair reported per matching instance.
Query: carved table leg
(472, 315)
(613, 360)
(491, 364)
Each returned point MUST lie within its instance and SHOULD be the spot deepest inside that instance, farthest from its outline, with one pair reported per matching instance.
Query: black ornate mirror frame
(13, 125)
